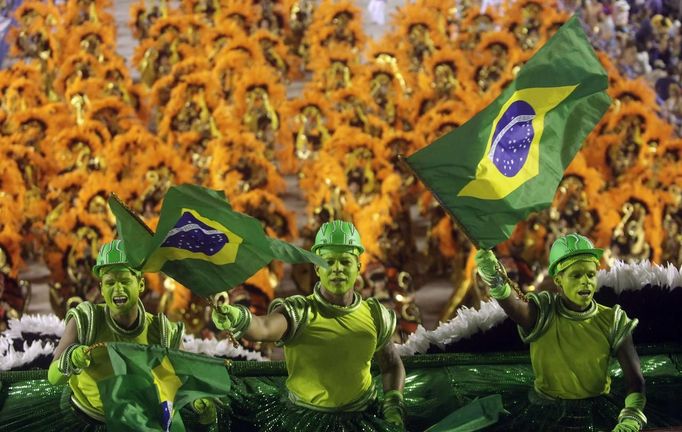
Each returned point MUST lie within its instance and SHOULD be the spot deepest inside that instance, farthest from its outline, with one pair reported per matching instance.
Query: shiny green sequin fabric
(436, 385)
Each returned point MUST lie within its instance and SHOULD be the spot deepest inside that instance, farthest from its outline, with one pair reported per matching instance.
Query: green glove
(487, 264)
(628, 425)
(224, 316)
(632, 418)
(206, 410)
(80, 357)
(235, 319)
(492, 273)
(394, 408)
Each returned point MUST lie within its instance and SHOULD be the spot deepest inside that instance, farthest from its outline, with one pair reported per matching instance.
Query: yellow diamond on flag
(512, 155)
(166, 381)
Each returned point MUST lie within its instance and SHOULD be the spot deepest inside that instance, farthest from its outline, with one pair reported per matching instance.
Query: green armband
(54, 375)
(242, 323)
(500, 292)
(394, 407)
(65, 365)
(634, 408)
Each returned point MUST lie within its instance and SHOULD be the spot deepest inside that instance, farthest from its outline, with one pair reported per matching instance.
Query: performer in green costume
(572, 340)
(329, 339)
(122, 318)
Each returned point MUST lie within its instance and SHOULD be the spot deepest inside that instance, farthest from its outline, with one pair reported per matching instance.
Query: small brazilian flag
(507, 161)
(201, 242)
(150, 385)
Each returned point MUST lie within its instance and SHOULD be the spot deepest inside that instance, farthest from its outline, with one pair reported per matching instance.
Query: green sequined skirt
(261, 405)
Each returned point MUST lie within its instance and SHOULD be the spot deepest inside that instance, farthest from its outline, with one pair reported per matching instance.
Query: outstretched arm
(522, 313)
(267, 328)
(241, 323)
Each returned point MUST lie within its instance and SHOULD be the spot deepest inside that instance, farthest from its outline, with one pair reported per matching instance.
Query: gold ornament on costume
(207, 9)
(636, 229)
(217, 38)
(308, 124)
(384, 91)
(79, 66)
(191, 108)
(75, 148)
(162, 88)
(385, 52)
(336, 23)
(419, 36)
(34, 41)
(156, 58)
(242, 13)
(575, 205)
(87, 11)
(90, 38)
(270, 210)
(300, 17)
(671, 248)
(237, 165)
(633, 91)
(159, 168)
(257, 100)
(143, 17)
(273, 50)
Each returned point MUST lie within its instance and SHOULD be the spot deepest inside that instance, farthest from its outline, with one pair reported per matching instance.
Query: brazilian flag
(201, 241)
(150, 385)
(507, 161)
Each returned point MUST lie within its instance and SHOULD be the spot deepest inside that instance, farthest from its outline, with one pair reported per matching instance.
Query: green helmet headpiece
(112, 253)
(570, 249)
(338, 234)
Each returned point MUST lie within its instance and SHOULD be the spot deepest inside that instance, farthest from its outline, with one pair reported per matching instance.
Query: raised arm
(493, 273)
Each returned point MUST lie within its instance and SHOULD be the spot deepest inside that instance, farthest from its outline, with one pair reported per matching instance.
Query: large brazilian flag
(201, 241)
(507, 161)
(150, 384)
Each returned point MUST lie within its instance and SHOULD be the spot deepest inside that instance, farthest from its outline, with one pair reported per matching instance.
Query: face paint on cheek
(121, 296)
(343, 270)
(577, 293)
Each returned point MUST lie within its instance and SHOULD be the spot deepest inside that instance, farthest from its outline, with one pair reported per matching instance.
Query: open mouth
(119, 300)
(585, 293)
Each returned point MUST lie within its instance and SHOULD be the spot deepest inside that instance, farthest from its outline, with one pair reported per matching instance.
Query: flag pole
(402, 160)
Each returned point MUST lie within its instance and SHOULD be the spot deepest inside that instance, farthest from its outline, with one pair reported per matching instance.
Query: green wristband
(394, 398)
(500, 292)
(242, 323)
